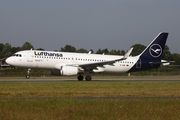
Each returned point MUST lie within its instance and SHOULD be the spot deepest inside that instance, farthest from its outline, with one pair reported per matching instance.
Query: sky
(89, 24)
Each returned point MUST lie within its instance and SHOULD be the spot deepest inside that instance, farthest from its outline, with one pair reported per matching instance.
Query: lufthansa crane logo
(155, 50)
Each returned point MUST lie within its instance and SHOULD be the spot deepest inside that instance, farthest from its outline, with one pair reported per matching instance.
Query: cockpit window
(17, 55)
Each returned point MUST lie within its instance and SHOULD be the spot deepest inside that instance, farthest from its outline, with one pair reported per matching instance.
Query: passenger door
(30, 56)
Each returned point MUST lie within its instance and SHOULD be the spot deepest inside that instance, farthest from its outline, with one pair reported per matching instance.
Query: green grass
(97, 89)
(93, 109)
(89, 100)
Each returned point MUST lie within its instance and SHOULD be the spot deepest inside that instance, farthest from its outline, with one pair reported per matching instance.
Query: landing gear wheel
(27, 76)
(80, 78)
(88, 78)
(28, 73)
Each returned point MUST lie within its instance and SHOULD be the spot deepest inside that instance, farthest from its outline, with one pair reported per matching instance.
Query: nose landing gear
(28, 73)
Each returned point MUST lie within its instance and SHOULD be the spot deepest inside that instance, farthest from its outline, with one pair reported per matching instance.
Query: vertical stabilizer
(155, 49)
(151, 56)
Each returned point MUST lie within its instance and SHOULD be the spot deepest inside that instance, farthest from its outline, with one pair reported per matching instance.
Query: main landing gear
(88, 78)
(28, 73)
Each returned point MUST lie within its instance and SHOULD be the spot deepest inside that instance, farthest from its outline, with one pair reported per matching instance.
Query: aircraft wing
(107, 62)
(100, 64)
(95, 64)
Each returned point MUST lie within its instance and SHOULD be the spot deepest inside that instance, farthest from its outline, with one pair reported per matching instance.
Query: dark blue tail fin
(155, 49)
(151, 56)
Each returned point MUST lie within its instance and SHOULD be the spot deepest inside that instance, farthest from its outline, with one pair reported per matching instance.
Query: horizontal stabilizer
(163, 62)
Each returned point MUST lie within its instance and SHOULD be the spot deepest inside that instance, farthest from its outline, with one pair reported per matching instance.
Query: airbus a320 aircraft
(67, 63)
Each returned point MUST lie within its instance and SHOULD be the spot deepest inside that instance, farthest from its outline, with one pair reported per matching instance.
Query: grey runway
(124, 79)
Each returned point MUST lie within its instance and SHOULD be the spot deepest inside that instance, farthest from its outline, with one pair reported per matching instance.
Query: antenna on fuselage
(90, 52)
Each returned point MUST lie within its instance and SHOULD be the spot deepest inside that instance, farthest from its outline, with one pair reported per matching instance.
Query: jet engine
(65, 70)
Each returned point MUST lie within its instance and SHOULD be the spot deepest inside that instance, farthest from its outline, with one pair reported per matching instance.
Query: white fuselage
(54, 60)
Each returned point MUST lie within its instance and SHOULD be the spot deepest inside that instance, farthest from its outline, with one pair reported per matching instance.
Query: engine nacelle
(65, 70)
(68, 70)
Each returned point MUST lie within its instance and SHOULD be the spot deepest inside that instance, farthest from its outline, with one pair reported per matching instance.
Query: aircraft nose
(9, 61)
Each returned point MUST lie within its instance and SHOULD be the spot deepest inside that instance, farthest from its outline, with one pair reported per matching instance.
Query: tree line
(7, 50)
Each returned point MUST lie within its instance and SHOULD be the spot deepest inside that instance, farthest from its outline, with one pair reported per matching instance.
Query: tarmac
(99, 79)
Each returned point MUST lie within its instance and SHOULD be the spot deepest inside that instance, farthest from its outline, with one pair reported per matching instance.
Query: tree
(176, 58)
(27, 46)
(6, 51)
(99, 51)
(137, 49)
(15, 49)
(40, 49)
(1, 46)
(167, 54)
(68, 48)
(122, 52)
(114, 52)
(105, 51)
(81, 50)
